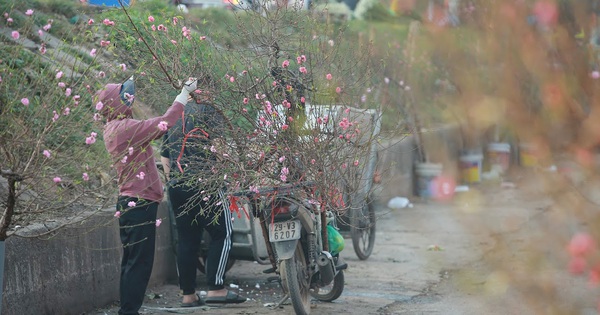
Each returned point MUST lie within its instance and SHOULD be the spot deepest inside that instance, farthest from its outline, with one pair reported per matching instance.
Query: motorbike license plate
(284, 231)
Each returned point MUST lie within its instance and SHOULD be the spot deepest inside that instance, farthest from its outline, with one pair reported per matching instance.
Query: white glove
(188, 87)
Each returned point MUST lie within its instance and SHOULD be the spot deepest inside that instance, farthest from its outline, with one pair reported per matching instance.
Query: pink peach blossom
(158, 222)
(546, 12)
(25, 101)
(57, 179)
(129, 97)
(186, 32)
(151, 19)
(46, 153)
(118, 214)
(15, 35)
(581, 244)
(29, 12)
(163, 125)
(90, 140)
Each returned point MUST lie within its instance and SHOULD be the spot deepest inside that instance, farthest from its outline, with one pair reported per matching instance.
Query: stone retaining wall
(76, 270)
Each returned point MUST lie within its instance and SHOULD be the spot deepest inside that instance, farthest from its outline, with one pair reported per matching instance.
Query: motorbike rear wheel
(295, 278)
(362, 229)
(331, 292)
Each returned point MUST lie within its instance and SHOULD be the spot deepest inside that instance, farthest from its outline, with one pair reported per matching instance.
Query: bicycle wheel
(362, 229)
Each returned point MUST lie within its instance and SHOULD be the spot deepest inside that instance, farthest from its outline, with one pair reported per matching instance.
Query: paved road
(488, 245)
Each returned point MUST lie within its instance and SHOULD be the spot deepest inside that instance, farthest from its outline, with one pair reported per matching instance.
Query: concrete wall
(398, 156)
(76, 270)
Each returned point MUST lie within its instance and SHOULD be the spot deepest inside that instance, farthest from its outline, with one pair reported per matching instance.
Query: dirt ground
(473, 255)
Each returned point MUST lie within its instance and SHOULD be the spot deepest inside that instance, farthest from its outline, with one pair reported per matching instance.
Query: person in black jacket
(186, 156)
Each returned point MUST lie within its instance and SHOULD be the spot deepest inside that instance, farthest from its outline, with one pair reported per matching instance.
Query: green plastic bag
(335, 239)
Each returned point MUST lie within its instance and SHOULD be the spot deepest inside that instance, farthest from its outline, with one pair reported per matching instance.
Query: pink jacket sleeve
(143, 131)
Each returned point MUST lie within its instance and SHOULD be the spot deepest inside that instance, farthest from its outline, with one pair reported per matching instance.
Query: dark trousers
(138, 234)
(192, 216)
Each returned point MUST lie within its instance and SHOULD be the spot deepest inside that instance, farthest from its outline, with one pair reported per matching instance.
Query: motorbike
(295, 229)
(358, 222)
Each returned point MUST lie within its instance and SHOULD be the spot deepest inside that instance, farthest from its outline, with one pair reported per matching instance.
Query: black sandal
(231, 297)
(198, 302)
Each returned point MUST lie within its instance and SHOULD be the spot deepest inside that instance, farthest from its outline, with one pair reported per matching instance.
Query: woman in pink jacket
(140, 188)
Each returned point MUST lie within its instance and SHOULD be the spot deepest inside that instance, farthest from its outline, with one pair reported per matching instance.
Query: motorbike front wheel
(295, 278)
(332, 291)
